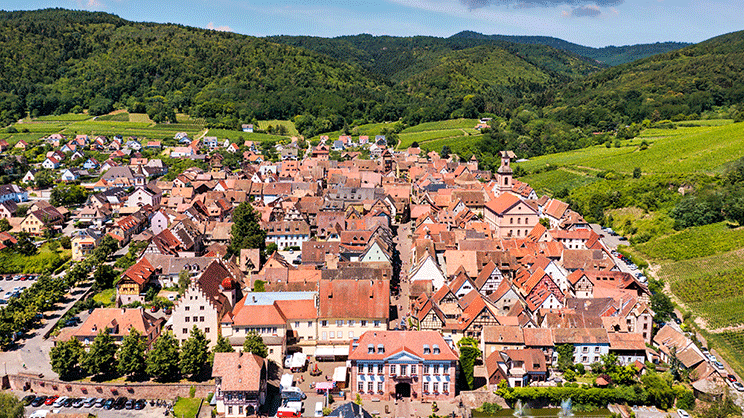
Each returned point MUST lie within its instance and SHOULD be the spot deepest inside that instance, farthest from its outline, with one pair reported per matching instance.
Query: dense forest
(542, 97)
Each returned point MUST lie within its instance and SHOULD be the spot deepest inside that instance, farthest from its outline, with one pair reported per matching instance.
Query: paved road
(403, 245)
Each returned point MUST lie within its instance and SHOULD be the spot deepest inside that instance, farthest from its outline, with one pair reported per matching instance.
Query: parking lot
(149, 411)
(11, 283)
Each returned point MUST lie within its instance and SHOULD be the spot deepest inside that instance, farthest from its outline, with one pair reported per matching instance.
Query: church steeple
(504, 173)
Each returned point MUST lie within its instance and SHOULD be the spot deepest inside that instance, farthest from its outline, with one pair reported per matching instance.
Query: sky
(594, 23)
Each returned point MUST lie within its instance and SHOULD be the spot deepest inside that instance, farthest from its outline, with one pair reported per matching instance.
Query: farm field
(406, 139)
(245, 136)
(717, 297)
(549, 182)
(700, 241)
(704, 149)
(458, 145)
(467, 124)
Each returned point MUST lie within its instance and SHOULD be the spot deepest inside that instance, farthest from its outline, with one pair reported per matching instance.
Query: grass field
(467, 124)
(245, 136)
(704, 149)
(291, 130)
(106, 298)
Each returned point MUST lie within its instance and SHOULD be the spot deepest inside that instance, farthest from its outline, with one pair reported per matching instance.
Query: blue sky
(587, 22)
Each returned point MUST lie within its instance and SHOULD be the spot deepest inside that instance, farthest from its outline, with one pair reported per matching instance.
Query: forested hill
(676, 85)
(401, 58)
(610, 55)
(57, 61)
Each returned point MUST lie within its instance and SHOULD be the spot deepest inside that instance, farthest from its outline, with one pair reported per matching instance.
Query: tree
(255, 344)
(637, 173)
(105, 276)
(223, 346)
(65, 357)
(565, 356)
(10, 406)
(184, 280)
(194, 353)
(662, 306)
(469, 352)
(65, 242)
(660, 393)
(446, 151)
(68, 195)
(131, 356)
(162, 361)
(246, 230)
(100, 358)
(4, 225)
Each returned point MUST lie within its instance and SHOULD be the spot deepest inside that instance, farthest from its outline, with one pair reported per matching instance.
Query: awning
(341, 351)
(323, 351)
(339, 374)
(362, 377)
(324, 386)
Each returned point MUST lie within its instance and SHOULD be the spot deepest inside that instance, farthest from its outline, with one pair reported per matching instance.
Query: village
(381, 269)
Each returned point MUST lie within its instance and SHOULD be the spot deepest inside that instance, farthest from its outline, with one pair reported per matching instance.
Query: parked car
(718, 365)
(59, 401)
(28, 399)
(682, 413)
(89, 402)
(120, 402)
(50, 400)
(109, 403)
(140, 404)
(100, 402)
(288, 362)
(738, 386)
(40, 400)
(731, 378)
(154, 308)
(129, 404)
(79, 402)
(712, 358)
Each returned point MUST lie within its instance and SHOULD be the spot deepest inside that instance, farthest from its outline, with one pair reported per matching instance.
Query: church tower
(504, 173)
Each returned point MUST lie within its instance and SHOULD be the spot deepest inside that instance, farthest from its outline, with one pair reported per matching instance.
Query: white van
(318, 409)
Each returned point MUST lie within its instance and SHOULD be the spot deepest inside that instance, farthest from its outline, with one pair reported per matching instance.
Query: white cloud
(211, 26)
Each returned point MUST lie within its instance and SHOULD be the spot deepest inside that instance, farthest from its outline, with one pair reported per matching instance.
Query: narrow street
(403, 245)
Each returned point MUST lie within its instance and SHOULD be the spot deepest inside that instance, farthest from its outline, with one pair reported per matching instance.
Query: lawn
(186, 407)
(105, 297)
(700, 241)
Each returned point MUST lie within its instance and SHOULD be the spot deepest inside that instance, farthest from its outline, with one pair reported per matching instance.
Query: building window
(403, 369)
(363, 323)
(206, 330)
(360, 368)
(201, 319)
(323, 323)
(351, 323)
(585, 349)
(309, 324)
(339, 323)
(201, 308)
(426, 387)
(360, 387)
(435, 387)
(379, 387)
(392, 369)
(426, 369)
(445, 387)
(186, 319)
(377, 324)
(370, 387)
(187, 308)
(351, 334)
(413, 369)
(596, 349)
(333, 334)
(185, 331)
(436, 369)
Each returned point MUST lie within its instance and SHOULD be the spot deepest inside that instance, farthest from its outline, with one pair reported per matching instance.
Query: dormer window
(380, 348)
(436, 349)
(427, 349)
(371, 349)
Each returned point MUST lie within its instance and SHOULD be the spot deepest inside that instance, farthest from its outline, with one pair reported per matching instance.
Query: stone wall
(32, 383)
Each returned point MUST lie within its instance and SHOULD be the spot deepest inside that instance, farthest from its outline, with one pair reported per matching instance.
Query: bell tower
(504, 173)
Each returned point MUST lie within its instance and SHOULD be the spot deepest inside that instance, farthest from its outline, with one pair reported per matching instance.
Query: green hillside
(609, 55)
(676, 85)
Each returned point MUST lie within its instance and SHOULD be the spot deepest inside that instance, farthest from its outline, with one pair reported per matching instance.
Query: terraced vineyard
(730, 345)
(549, 182)
(684, 150)
(701, 241)
(719, 297)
